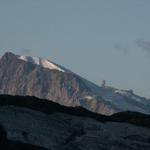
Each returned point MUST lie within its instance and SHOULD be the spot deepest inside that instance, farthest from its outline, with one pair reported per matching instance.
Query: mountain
(32, 123)
(26, 75)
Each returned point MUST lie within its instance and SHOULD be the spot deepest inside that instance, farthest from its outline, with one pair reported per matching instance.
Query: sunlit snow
(42, 62)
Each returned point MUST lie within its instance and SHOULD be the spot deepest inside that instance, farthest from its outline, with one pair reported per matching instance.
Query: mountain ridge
(21, 77)
(50, 107)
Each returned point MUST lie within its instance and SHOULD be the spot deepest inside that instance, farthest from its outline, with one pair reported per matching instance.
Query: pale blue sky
(98, 39)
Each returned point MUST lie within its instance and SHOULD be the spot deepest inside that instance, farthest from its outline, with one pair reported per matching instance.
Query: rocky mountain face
(40, 124)
(25, 75)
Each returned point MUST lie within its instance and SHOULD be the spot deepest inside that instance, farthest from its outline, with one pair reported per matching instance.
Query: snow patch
(121, 92)
(109, 100)
(88, 97)
(127, 93)
(41, 62)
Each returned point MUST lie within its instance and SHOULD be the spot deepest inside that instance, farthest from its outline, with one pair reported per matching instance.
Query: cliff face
(18, 77)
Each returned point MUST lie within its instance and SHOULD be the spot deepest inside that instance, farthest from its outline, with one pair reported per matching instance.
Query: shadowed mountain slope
(32, 123)
(50, 107)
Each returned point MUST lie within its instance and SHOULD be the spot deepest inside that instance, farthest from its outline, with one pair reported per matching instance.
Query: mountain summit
(26, 75)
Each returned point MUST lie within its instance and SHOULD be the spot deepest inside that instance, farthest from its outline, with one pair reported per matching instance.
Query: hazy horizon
(99, 40)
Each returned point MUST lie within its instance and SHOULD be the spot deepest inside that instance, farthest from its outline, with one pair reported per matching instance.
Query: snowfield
(41, 62)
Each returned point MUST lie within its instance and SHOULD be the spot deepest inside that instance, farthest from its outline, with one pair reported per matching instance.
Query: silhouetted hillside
(6, 144)
(49, 107)
(30, 123)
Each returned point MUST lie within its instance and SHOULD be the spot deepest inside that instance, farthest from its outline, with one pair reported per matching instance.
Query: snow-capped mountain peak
(42, 62)
(18, 77)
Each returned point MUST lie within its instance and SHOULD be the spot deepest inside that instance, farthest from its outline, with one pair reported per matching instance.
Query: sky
(98, 39)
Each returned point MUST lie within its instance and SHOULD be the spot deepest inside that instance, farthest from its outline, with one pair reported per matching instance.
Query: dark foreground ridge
(49, 107)
(6, 144)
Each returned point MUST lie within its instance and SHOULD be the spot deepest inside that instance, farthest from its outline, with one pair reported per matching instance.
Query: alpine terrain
(26, 75)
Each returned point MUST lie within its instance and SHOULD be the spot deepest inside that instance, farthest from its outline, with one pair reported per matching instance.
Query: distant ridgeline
(49, 107)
